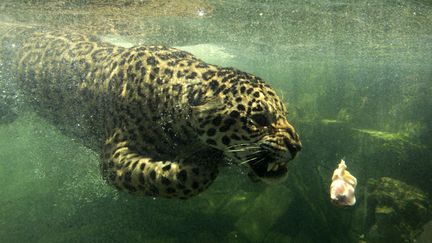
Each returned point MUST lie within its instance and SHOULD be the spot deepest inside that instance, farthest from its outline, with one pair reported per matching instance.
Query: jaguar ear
(208, 105)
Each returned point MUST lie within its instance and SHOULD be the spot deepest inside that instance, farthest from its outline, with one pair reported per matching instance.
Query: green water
(357, 78)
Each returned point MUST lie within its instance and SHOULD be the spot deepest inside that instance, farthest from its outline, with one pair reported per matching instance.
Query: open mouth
(269, 167)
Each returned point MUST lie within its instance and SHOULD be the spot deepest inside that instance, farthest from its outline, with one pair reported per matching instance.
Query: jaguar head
(250, 126)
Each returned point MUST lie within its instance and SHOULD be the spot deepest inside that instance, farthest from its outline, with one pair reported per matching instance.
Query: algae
(383, 135)
(331, 121)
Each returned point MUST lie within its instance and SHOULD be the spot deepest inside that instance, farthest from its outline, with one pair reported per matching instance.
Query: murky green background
(357, 77)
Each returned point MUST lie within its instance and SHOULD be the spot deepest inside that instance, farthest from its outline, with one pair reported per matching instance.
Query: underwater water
(357, 79)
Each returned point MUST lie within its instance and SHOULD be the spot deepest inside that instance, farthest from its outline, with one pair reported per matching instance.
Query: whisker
(240, 144)
(239, 150)
(248, 160)
(257, 152)
(243, 149)
(254, 156)
(252, 153)
(256, 162)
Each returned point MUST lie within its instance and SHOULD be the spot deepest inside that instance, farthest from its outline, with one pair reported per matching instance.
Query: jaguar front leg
(140, 174)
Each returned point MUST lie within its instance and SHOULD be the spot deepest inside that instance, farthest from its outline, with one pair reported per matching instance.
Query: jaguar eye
(260, 120)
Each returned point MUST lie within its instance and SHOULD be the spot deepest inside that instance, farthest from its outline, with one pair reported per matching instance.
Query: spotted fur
(162, 119)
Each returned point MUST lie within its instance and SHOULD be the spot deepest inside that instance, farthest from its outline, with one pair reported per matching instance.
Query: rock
(263, 214)
(396, 211)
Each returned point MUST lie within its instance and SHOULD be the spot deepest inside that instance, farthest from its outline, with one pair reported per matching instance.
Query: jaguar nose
(293, 146)
(297, 146)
